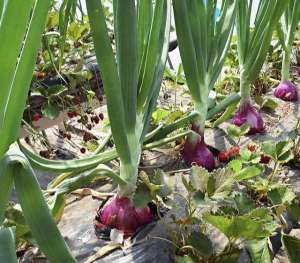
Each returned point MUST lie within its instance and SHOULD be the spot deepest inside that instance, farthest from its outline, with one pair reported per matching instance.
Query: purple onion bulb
(121, 214)
(286, 91)
(195, 151)
(249, 114)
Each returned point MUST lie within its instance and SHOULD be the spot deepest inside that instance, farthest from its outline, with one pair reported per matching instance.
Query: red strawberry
(82, 150)
(264, 159)
(77, 99)
(27, 140)
(36, 117)
(223, 157)
(232, 152)
(45, 154)
(96, 119)
(39, 74)
(251, 147)
(101, 116)
(87, 137)
(77, 44)
(72, 114)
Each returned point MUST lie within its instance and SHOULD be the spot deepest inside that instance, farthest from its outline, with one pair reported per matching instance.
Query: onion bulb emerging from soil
(286, 91)
(121, 214)
(249, 114)
(195, 151)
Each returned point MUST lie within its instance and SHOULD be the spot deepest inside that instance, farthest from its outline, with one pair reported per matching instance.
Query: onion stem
(286, 61)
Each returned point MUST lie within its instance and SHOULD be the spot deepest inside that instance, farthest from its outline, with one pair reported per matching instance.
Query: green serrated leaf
(223, 181)
(248, 172)
(238, 226)
(294, 209)
(259, 251)
(232, 257)
(201, 243)
(278, 151)
(245, 154)
(56, 90)
(282, 146)
(269, 104)
(259, 100)
(163, 179)
(184, 259)
(243, 204)
(269, 149)
(159, 115)
(15, 217)
(187, 185)
(199, 178)
(236, 131)
(292, 246)
(286, 157)
(211, 186)
(197, 198)
(233, 131)
(50, 110)
(142, 196)
(293, 134)
(235, 165)
(283, 195)
(92, 145)
(261, 213)
(52, 20)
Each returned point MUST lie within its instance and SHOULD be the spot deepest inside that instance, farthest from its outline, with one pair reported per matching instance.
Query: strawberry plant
(213, 202)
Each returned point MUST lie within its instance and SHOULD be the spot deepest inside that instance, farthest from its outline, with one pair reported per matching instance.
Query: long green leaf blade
(153, 55)
(158, 76)
(127, 57)
(145, 14)
(19, 85)
(109, 73)
(36, 211)
(12, 32)
(69, 165)
(187, 47)
(7, 246)
(6, 183)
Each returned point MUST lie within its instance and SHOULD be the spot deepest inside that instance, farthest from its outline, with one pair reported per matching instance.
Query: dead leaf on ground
(103, 251)
(87, 191)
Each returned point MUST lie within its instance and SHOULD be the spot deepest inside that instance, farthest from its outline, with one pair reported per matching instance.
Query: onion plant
(286, 29)
(21, 27)
(203, 43)
(132, 78)
(253, 45)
